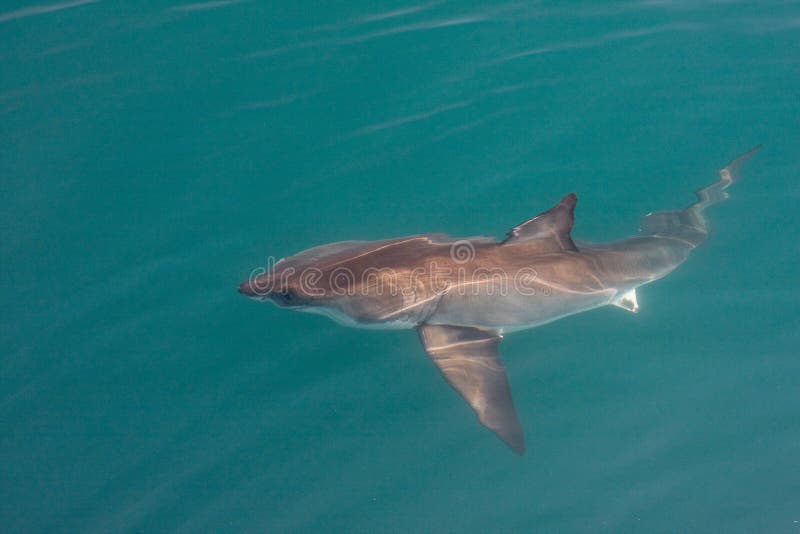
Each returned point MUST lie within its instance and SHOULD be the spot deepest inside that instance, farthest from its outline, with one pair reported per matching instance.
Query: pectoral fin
(469, 360)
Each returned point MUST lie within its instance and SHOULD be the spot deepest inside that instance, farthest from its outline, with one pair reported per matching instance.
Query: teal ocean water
(153, 153)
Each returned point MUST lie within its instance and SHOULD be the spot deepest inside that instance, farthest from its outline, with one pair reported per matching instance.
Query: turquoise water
(152, 154)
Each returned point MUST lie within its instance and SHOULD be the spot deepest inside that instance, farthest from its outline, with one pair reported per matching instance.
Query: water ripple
(280, 50)
(204, 6)
(41, 10)
(396, 13)
(598, 41)
(420, 26)
(400, 121)
(335, 30)
(267, 104)
(475, 123)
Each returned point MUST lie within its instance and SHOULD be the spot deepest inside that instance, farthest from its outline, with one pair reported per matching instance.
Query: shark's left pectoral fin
(469, 360)
(627, 301)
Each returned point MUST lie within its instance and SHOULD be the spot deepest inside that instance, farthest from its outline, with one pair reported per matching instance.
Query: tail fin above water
(690, 224)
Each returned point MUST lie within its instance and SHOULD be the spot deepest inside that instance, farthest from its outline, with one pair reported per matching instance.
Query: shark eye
(287, 296)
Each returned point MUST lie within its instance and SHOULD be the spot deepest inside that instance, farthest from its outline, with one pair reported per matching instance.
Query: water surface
(153, 153)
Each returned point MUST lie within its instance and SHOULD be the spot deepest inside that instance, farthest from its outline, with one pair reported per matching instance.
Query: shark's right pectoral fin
(469, 360)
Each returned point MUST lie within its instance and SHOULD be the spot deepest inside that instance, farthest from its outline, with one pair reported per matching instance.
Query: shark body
(462, 295)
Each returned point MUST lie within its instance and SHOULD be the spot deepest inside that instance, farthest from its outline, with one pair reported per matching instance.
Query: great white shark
(462, 295)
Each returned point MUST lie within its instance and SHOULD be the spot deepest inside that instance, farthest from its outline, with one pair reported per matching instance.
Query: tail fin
(690, 224)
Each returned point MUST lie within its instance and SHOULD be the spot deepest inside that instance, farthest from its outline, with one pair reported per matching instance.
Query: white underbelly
(346, 320)
(516, 312)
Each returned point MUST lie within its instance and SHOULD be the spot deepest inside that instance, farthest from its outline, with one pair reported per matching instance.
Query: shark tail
(690, 224)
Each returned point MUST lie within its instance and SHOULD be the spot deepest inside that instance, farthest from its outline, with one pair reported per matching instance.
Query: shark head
(281, 288)
(260, 288)
(322, 280)
(356, 283)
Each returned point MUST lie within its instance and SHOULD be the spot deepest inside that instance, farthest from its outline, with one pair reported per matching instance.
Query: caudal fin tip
(744, 157)
(729, 173)
(752, 151)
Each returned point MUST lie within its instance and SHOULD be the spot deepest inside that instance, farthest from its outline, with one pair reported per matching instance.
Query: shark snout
(255, 287)
(247, 289)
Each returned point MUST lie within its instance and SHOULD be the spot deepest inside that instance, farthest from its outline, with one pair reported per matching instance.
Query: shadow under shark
(462, 295)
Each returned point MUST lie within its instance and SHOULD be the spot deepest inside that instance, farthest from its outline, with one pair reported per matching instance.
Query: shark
(463, 295)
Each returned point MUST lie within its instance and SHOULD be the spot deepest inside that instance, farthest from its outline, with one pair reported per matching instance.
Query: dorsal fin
(552, 226)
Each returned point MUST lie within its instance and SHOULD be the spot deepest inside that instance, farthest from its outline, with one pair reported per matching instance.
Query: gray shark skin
(462, 295)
